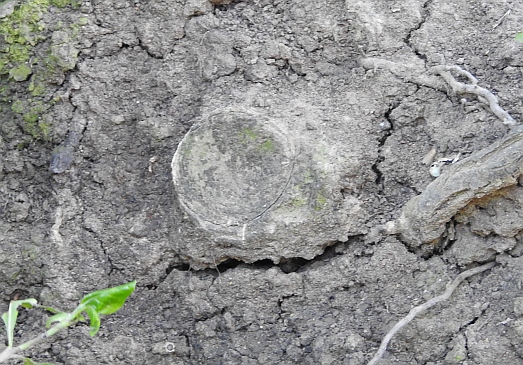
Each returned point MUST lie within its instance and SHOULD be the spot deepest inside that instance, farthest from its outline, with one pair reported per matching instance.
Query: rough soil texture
(136, 76)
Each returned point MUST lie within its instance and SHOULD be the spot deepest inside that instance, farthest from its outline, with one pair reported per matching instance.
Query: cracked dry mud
(150, 71)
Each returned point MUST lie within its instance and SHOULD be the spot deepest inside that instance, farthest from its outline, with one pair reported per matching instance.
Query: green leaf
(519, 37)
(10, 316)
(28, 361)
(51, 309)
(58, 317)
(94, 320)
(48, 323)
(108, 301)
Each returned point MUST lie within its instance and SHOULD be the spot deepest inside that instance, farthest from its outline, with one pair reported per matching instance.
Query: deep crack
(425, 13)
(387, 127)
(147, 50)
(287, 265)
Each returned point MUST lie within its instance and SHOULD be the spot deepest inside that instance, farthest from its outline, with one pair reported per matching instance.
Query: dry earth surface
(293, 269)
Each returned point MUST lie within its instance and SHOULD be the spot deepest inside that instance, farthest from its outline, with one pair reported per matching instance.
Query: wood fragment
(424, 218)
(429, 157)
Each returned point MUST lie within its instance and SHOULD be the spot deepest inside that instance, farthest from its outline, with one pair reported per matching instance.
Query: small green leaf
(79, 317)
(10, 316)
(108, 301)
(58, 317)
(8, 329)
(519, 37)
(28, 361)
(51, 309)
(28, 305)
(94, 320)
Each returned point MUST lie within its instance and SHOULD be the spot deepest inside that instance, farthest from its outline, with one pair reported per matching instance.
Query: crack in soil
(463, 330)
(388, 128)
(109, 260)
(287, 266)
(425, 13)
(146, 49)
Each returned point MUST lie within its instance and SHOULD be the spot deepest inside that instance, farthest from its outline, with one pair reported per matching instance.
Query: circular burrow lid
(230, 169)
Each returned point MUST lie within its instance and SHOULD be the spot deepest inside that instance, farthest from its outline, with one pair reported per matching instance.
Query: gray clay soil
(315, 280)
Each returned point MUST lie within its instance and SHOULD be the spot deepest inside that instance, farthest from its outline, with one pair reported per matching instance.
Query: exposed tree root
(483, 95)
(417, 74)
(421, 308)
(424, 217)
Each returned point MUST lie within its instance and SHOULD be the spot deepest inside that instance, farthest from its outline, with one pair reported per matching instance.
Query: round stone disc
(231, 169)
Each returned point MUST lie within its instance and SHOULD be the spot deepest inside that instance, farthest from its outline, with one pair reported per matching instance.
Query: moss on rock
(34, 58)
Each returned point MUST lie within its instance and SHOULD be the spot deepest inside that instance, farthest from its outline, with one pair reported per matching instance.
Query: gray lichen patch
(263, 187)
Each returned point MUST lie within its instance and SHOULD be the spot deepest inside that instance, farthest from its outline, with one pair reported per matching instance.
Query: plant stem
(8, 353)
(11, 352)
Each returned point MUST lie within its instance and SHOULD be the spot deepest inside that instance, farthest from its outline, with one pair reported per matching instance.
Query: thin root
(421, 308)
(482, 94)
(415, 73)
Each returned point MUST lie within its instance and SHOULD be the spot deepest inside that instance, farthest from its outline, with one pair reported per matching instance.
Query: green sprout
(105, 301)
(519, 37)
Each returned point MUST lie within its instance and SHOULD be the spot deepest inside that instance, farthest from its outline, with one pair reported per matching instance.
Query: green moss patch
(34, 57)
(21, 72)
